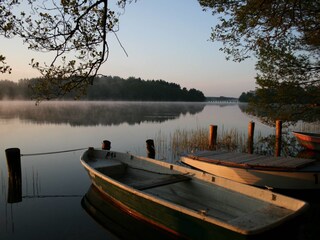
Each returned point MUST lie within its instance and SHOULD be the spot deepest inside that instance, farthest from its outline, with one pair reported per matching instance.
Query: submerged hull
(206, 207)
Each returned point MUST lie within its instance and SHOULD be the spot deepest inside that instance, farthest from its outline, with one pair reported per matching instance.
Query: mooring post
(14, 173)
(106, 145)
(250, 136)
(151, 153)
(213, 129)
(278, 138)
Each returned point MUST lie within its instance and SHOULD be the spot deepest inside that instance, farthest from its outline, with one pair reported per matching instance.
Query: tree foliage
(246, 97)
(136, 89)
(3, 66)
(75, 31)
(284, 37)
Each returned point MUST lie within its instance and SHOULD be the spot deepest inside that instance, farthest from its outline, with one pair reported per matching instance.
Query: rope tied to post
(55, 152)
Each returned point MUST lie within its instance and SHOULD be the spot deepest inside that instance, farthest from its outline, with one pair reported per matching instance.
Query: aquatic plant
(183, 141)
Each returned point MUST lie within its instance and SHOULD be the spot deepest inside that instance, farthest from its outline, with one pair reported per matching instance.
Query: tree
(76, 31)
(284, 37)
(246, 97)
(4, 67)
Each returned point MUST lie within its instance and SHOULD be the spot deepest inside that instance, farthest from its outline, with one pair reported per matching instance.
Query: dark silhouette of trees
(11, 90)
(247, 97)
(298, 105)
(113, 88)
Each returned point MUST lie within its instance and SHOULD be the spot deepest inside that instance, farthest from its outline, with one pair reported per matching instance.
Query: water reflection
(45, 207)
(309, 154)
(112, 218)
(54, 185)
(290, 114)
(96, 113)
(125, 226)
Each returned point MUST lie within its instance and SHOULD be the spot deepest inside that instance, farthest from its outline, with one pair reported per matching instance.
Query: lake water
(54, 185)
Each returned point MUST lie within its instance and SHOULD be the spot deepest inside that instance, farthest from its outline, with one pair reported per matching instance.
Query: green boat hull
(177, 223)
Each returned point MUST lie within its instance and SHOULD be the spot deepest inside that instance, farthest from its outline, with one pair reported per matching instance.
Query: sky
(168, 40)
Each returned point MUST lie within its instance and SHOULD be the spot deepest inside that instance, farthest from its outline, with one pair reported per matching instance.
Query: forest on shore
(111, 88)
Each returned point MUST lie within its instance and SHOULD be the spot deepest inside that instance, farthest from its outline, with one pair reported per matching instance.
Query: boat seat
(112, 168)
(158, 182)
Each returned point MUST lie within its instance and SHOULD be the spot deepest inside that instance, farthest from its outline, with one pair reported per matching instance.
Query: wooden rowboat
(184, 202)
(283, 173)
(308, 140)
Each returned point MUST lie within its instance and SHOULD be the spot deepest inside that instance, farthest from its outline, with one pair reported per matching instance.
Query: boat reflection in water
(114, 219)
(310, 141)
(125, 226)
(309, 154)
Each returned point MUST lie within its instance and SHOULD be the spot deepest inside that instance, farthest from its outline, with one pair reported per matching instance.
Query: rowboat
(185, 202)
(284, 173)
(308, 140)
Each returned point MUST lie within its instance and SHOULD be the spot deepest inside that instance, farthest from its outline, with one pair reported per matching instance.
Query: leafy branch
(75, 31)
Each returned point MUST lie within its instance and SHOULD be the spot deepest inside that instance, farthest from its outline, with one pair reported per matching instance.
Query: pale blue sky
(165, 39)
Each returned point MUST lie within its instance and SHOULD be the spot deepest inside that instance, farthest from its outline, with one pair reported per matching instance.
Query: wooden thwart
(161, 182)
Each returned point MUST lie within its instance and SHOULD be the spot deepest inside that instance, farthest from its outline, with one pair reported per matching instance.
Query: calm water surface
(55, 186)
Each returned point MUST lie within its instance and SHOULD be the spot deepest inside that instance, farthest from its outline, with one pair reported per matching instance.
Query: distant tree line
(297, 95)
(112, 88)
(222, 99)
(12, 90)
(272, 104)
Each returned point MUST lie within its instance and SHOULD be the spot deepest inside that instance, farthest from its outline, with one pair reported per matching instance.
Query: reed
(307, 127)
(181, 141)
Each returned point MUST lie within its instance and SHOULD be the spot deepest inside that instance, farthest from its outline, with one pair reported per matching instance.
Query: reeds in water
(183, 141)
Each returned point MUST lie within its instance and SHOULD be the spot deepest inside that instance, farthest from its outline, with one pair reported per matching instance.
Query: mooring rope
(47, 153)
(53, 196)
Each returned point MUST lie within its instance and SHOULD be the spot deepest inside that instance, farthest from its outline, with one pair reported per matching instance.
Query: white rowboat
(262, 171)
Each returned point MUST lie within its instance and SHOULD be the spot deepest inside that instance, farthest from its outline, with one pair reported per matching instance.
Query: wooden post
(106, 145)
(278, 138)
(250, 136)
(151, 153)
(14, 173)
(213, 129)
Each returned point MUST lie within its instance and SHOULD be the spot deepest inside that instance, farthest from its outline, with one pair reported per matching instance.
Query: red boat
(308, 140)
